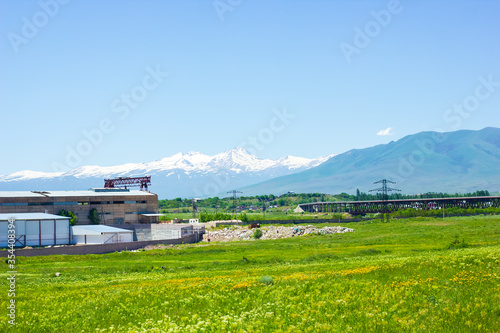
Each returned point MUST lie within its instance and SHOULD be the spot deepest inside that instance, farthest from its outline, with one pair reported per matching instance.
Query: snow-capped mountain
(180, 175)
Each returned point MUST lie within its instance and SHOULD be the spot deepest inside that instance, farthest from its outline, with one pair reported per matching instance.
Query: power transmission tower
(384, 189)
(195, 208)
(234, 192)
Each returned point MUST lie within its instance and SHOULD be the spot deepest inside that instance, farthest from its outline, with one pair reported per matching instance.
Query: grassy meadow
(412, 275)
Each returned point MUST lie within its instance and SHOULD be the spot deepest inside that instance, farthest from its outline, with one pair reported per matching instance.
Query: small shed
(100, 234)
(298, 209)
(150, 218)
(34, 229)
(162, 231)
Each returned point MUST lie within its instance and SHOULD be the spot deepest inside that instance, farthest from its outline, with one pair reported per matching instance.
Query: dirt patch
(158, 247)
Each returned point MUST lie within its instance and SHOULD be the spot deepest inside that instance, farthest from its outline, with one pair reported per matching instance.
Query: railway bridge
(377, 206)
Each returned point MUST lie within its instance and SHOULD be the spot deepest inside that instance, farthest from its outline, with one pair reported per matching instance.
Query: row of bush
(207, 217)
(410, 212)
(448, 211)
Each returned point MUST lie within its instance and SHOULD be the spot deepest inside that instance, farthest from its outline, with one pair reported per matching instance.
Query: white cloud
(385, 132)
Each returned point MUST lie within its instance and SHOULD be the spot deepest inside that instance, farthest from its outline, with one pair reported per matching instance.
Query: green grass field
(413, 275)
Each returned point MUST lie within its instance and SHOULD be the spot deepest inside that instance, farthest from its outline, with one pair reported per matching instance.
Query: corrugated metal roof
(89, 193)
(95, 230)
(31, 216)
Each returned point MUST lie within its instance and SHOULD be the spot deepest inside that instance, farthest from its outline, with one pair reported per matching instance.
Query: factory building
(114, 205)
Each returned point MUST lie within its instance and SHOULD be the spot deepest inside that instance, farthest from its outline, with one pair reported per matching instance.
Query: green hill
(461, 161)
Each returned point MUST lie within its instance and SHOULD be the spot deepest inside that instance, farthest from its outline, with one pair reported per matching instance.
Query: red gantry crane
(143, 182)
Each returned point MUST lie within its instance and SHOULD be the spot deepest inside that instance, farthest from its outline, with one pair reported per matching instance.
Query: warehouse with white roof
(35, 229)
(100, 234)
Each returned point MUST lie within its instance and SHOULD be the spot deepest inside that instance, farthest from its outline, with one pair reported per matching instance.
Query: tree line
(262, 202)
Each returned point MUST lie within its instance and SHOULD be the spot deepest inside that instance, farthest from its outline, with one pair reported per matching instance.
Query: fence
(96, 249)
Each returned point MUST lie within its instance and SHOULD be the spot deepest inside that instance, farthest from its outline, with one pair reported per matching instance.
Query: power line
(384, 189)
(195, 208)
(234, 192)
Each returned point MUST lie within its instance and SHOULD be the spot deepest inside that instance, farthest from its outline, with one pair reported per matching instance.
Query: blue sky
(85, 83)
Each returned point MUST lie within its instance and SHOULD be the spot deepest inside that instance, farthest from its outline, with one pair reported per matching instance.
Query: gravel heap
(237, 233)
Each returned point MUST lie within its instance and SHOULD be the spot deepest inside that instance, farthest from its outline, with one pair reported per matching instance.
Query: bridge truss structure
(377, 206)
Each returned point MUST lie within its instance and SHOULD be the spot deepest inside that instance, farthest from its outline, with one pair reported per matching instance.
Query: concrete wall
(96, 249)
(310, 221)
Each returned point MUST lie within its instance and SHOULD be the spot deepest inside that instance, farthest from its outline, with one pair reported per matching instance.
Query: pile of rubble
(237, 233)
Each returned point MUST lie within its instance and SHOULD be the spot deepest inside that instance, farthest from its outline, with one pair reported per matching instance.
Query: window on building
(14, 204)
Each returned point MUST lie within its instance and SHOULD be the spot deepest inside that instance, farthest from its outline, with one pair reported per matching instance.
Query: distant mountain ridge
(180, 175)
(461, 161)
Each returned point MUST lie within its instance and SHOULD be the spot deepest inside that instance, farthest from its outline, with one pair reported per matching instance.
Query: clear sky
(86, 83)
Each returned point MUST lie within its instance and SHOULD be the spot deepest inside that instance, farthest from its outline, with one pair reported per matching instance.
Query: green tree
(73, 219)
(257, 233)
(243, 217)
(94, 216)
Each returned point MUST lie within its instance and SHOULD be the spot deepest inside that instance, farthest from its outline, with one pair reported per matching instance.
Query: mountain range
(461, 161)
(181, 175)
(456, 162)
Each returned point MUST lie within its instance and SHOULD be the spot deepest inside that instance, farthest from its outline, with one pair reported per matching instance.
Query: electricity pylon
(384, 189)
(234, 192)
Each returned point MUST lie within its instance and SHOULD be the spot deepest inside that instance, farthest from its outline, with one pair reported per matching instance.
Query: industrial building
(114, 205)
(100, 234)
(35, 229)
